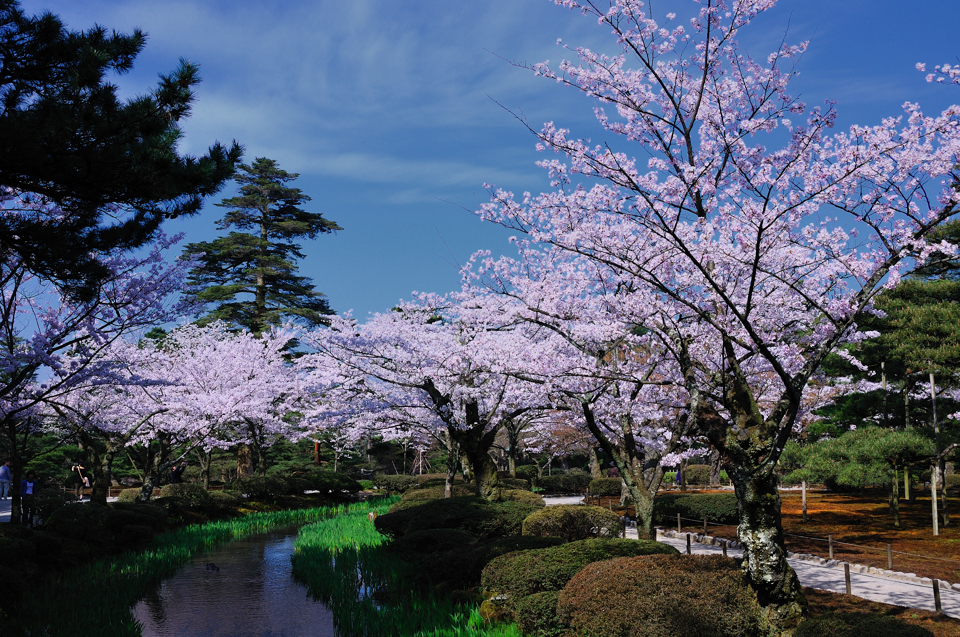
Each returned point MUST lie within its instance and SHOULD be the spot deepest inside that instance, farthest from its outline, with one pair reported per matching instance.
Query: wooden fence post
(688, 544)
(830, 540)
(846, 576)
(936, 595)
(889, 557)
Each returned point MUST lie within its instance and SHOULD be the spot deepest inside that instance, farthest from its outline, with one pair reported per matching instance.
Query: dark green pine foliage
(920, 333)
(67, 140)
(250, 276)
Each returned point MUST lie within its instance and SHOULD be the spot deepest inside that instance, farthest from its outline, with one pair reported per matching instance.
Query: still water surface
(252, 595)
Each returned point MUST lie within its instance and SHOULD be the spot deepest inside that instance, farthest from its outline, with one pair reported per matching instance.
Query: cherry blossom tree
(434, 365)
(52, 344)
(747, 239)
(209, 388)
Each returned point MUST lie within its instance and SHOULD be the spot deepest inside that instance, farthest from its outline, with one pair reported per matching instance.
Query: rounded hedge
(564, 483)
(573, 522)
(606, 486)
(479, 517)
(537, 614)
(715, 507)
(529, 472)
(697, 474)
(79, 521)
(516, 495)
(260, 487)
(224, 499)
(661, 596)
(433, 541)
(523, 573)
(458, 490)
(128, 495)
(395, 484)
(192, 494)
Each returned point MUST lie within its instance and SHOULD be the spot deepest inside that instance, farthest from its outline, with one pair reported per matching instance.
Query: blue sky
(389, 108)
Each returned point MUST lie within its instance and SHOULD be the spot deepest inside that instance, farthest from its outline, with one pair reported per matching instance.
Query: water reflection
(253, 594)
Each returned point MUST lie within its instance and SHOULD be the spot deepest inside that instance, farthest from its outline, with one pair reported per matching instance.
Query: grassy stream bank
(374, 593)
(95, 599)
(337, 555)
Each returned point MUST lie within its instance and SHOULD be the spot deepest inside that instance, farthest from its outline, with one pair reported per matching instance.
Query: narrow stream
(253, 594)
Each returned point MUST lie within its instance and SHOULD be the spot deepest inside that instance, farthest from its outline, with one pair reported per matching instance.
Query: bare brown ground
(863, 519)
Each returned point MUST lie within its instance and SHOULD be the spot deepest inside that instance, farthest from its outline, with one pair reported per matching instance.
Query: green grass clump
(373, 592)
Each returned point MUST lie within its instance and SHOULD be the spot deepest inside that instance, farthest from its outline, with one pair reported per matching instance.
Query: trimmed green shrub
(115, 520)
(128, 495)
(423, 478)
(460, 568)
(661, 596)
(78, 521)
(573, 522)
(13, 550)
(515, 495)
(48, 501)
(606, 486)
(565, 483)
(529, 472)
(261, 487)
(193, 494)
(523, 573)
(458, 490)
(697, 474)
(433, 541)
(330, 482)
(516, 484)
(715, 507)
(479, 517)
(224, 499)
(135, 535)
(396, 484)
(154, 511)
(298, 484)
(537, 614)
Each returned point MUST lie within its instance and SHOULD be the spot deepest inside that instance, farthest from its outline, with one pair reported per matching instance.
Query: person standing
(176, 474)
(79, 480)
(28, 494)
(6, 481)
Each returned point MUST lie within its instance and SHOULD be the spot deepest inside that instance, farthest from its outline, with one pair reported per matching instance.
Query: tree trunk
(244, 460)
(205, 460)
(715, 462)
(595, 471)
(475, 445)
(764, 552)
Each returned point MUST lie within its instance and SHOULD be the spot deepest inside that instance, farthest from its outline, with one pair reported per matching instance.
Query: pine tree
(83, 172)
(250, 276)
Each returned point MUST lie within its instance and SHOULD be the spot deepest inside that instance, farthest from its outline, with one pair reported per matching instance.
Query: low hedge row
(395, 484)
(606, 486)
(715, 507)
(573, 522)
(564, 483)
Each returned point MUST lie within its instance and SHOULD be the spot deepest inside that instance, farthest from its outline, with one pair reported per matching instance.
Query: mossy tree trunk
(158, 461)
(750, 445)
(475, 443)
(244, 460)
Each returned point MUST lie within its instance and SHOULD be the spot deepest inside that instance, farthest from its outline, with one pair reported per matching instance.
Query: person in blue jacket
(28, 494)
